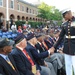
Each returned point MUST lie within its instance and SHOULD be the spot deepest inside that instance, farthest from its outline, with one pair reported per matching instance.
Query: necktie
(29, 58)
(45, 45)
(41, 46)
(31, 61)
(49, 41)
(8, 61)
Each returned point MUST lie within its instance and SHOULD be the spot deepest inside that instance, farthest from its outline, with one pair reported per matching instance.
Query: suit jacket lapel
(13, 63)
(41, 48)
(23, 55)
(30, 55)
(6, 65)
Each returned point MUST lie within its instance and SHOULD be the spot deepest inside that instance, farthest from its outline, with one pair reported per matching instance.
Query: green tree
(49, 12)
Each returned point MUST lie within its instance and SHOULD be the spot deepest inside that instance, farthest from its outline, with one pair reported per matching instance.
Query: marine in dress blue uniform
(68, 31)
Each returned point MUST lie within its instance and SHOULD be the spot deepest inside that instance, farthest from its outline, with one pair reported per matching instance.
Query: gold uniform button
(69, 36)
(68, 32)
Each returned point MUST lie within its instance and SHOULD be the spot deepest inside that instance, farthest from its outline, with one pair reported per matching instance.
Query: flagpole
(7, 14)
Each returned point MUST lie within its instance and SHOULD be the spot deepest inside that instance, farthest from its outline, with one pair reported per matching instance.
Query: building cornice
(27, 3)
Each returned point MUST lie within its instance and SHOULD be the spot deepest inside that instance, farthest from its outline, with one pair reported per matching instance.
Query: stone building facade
(18, 10)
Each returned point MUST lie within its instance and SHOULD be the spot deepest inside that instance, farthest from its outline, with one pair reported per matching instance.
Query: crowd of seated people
(31, 53)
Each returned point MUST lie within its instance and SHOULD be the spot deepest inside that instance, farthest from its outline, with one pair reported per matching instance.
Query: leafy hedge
(59, 23)
(20, 23)
(32, 23)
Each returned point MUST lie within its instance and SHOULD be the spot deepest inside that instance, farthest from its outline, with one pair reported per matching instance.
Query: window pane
(18, 7)
(12, 4)
(1, 2)
(30, 10)
(27, 9)
(33, 11)
(22, 8)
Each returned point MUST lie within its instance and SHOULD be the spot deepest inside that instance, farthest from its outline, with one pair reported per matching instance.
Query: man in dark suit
(24, 60)
(7, 64)
(39, 45)
(56, 59)
(38, 56)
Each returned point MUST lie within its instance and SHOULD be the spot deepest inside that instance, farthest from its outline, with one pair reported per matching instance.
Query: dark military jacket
(68, 31)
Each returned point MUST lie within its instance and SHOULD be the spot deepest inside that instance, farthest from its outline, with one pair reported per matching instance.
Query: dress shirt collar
(39, 42)
(32, 44)
(4, 56)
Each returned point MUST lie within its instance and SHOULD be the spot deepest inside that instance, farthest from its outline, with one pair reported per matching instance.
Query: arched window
(18, 17)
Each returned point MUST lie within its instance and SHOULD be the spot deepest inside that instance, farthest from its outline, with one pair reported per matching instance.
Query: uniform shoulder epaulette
(64, 23)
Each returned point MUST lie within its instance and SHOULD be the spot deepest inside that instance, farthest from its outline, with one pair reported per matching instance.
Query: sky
(60, 4)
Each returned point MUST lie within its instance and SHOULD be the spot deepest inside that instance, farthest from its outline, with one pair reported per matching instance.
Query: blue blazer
(37, 56)
(48, 43)
(6, 69)
(22, 63)
(40, 48)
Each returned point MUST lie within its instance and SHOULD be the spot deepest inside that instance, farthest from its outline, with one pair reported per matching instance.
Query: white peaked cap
(65, 10)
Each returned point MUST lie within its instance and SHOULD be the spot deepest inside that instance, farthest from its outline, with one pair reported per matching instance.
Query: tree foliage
(49, 12)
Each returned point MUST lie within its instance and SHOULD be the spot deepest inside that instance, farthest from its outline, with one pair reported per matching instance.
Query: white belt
(72, 37)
